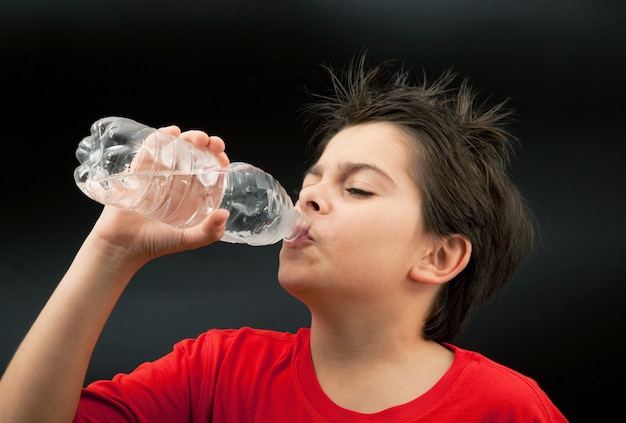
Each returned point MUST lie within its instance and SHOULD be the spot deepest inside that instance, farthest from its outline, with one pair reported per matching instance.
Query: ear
(447, 257)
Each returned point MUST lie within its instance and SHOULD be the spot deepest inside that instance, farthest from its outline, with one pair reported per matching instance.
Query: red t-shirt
(250, 375)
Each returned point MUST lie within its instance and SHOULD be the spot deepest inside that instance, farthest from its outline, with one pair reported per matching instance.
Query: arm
(43, 381)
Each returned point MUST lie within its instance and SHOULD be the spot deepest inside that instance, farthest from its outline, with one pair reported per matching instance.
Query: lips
(303, 236)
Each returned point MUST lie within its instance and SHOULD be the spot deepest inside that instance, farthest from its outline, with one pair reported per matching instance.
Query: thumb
(215, 225)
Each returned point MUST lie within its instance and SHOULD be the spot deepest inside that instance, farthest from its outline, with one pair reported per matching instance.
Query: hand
(43, 381)
(134, 239)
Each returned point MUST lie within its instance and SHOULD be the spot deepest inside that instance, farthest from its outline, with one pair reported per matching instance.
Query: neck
(348, 325)
(369, 365)
(353, 337)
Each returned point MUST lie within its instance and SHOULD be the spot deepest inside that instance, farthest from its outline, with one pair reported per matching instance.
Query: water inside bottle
(131, 166)
(257, 207)
(177, 198)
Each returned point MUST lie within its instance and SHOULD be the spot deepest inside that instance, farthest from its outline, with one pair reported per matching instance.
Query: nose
(311, 199)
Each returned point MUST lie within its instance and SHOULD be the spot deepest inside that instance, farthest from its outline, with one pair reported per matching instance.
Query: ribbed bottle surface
(131, 166)
(261, 212)
(128, 165)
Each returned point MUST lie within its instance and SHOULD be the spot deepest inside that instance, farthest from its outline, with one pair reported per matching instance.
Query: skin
(367, 270)
(42, 383)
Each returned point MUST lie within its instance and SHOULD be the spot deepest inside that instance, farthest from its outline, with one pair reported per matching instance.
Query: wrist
(116, 257)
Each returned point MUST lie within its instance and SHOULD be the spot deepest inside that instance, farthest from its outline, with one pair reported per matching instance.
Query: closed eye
(358, 192)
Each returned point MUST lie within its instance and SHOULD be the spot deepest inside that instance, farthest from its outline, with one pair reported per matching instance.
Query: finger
(172, 130)
(223, 159)
(202, 140)
(198, 138)
(217, 146)
(213, 227)
(213, 144)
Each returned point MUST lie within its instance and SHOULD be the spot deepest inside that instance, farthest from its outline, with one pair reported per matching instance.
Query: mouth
(300, 235)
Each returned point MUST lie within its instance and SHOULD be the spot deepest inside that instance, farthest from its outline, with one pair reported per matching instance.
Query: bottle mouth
(301, 227)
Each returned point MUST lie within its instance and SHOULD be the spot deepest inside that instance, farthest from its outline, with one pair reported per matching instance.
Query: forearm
(43, 380)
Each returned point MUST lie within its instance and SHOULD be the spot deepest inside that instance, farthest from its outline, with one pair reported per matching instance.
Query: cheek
(389, 236)
(395, 223)
(371, 235)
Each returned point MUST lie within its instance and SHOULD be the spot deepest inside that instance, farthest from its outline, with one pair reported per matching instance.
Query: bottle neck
(301, 227)
(261, 211)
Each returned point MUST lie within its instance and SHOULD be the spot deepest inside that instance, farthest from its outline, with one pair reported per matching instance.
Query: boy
(413, 224)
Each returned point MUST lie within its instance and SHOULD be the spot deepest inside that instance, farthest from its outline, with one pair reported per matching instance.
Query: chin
(296, 285)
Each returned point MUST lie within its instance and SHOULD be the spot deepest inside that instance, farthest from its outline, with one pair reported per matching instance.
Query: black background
(236, 68)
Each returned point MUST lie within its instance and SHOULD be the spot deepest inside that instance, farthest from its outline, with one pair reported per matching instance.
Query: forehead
(379, 143)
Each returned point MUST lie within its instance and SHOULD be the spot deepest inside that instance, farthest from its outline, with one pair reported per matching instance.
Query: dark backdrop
(236, 68)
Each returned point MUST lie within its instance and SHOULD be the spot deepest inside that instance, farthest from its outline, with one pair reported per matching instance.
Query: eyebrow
(349, 168)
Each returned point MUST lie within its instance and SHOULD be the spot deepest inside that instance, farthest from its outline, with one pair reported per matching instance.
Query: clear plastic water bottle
(129, 165)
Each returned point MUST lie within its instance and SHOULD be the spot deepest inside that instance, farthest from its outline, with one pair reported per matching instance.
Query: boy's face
(366, 227)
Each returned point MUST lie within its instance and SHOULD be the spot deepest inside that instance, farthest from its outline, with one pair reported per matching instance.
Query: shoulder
(489, 374)
(219, 342)
(244, 352)
(247, 334)
(500, 387)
